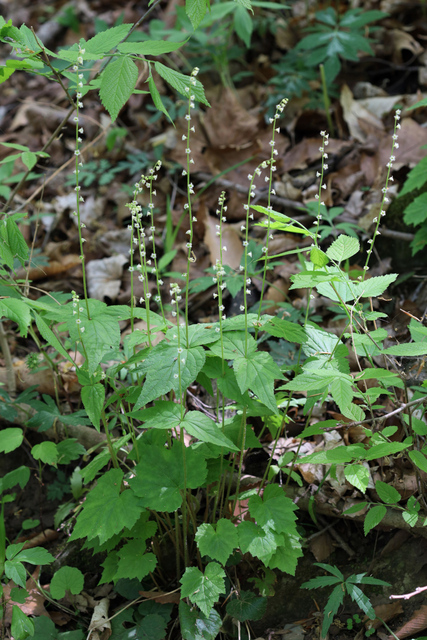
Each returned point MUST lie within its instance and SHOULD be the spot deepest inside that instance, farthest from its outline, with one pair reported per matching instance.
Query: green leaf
(196, 626)
(163, 371)
(101, 332)
(373, 287)
(274, 507)
(107, 509)
(260, 542)
(258, 372)
(374, 517)
(247, 607)
(106, 40)
(387, 494)
(29, 159)
(17, 311)
(179, 82)
(150, 47)
(69, 449)
(342, 248)
(150, 627)
(12, 236)
(48, 335)
(196, 10)
(15, 571)
(158, 103)
(318, 257)
(418, 459)
(93, 398)
(410, 517)
(66, 579)
(342, 393)
(20, 476)
(243, 25)
(361, 600)
(358, 476)
(22, 626)
(47, 452)
(411, 349)
(200, 426)
(285, 558)
(118, 81)
(163, 415)
(217, 541)
(280, 328)
(335, 600)
(10, 439)
(416, 212)
(134, 561)
(38, 555)
(203, 589)
(163, 491)
(233, 344)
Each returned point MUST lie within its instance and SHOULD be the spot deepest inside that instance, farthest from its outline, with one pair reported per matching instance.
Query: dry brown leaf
(39, 538)
(417, 623)
(104, 277)
(399, 41)
(230, 239)
(359, 120)
(33, 605)
(307, 151)
(277, 292)
(321, 546)
(100, 622)
(384, 611)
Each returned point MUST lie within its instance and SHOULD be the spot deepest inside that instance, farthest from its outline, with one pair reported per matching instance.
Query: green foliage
(343, 587)
(415, 212)
(169, 479)
(333, 38)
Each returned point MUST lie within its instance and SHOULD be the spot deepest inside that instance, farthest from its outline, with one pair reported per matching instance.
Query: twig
(406, 596)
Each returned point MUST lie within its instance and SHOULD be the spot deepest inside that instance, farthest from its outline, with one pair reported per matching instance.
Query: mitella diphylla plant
(170, 511)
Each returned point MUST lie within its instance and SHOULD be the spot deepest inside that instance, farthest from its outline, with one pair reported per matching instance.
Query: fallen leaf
(104, 277)
(417, 623)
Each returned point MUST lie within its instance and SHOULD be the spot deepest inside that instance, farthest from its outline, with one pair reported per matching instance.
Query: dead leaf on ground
(322, 546)
(34, 603)
(104, 277)
(230, 239)
(417, 623)
(359, 120)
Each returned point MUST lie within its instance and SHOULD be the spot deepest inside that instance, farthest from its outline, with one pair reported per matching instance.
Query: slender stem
(10, 373)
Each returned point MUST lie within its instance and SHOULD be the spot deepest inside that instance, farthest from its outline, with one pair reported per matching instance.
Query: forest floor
(231, 139)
